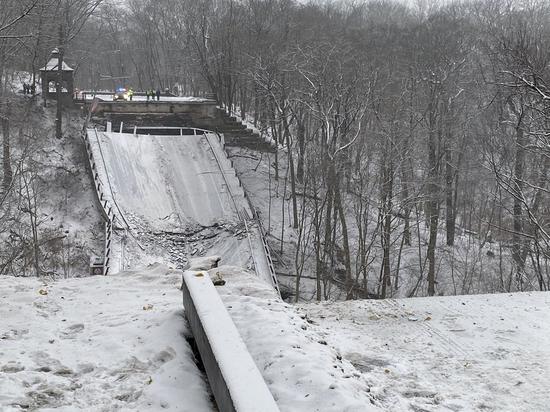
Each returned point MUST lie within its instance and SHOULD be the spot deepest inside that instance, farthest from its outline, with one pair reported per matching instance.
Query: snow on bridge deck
(167, 184)
(167, 179)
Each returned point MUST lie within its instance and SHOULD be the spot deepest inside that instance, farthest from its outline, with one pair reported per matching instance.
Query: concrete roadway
(167, 179)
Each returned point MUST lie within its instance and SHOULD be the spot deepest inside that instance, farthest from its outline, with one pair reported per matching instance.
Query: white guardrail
(235, 381)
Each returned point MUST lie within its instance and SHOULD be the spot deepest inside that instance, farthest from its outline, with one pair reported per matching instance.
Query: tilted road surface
(162, 178)
(179, 197)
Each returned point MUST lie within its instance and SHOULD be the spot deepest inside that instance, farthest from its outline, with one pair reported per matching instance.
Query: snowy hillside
(461, 353)
(51, 209)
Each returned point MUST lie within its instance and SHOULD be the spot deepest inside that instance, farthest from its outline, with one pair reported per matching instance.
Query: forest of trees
(414, 137)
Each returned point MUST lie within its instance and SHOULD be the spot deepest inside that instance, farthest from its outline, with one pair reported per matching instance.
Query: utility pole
(58, 86)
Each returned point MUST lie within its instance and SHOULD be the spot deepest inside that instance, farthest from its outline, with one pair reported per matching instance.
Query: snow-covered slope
(462, 353)
(97, 344)
(166, 179)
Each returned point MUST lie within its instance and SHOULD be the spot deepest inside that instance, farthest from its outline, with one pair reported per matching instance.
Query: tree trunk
(58, 87)
(345, 240)
(406, 208)
(6, 160)
(433, 201)
(517, 239)
(387, 189)
(292, 174)
(301, 150)
(449, 197)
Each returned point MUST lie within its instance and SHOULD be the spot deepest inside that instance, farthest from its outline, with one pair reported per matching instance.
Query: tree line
(413, 139)
(32, 184)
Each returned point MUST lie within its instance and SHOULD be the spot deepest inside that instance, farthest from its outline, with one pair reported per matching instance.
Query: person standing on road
(130, 94)
(158, 95)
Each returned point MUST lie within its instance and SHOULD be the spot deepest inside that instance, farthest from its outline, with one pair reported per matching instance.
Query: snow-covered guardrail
(106, 208)
(262, 259)
(262, 233)
(234, 378)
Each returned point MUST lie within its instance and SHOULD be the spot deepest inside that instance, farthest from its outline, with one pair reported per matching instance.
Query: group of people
(29, 88)
(152, 94)
(122, 93)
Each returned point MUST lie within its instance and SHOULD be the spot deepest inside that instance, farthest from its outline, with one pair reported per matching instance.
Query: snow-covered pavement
(118, 343)
(97, 344)
(454, 353)
(167, 180)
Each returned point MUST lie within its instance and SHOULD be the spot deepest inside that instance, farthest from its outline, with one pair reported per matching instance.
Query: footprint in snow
(85, 368)
(72, 330)
(164, 356)
(46, 364)
(12, 367)
(44, 397)
(14, 334)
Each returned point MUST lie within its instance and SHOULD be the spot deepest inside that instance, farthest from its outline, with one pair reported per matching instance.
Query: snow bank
(301, 370)
(461, 353)
(204, 263)
(97, 344)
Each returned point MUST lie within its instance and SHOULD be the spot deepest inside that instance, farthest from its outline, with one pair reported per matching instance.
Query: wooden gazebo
(49, 76)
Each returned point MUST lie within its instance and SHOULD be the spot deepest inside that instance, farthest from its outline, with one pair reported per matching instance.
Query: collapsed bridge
(168, 189)
(166, 193)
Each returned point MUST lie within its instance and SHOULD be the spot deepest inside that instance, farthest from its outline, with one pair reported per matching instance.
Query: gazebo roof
(52, 63)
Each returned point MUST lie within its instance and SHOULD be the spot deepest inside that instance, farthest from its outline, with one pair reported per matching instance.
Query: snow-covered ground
(459, 353)
(474, 265)
(97, 344)
(303, 372)
(118, 343)
(69, 226)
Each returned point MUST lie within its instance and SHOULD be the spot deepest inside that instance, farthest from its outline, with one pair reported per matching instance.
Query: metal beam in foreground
(234, 378)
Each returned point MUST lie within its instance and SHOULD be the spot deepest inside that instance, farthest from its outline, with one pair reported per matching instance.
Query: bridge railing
(256, 217)
(106, 208)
